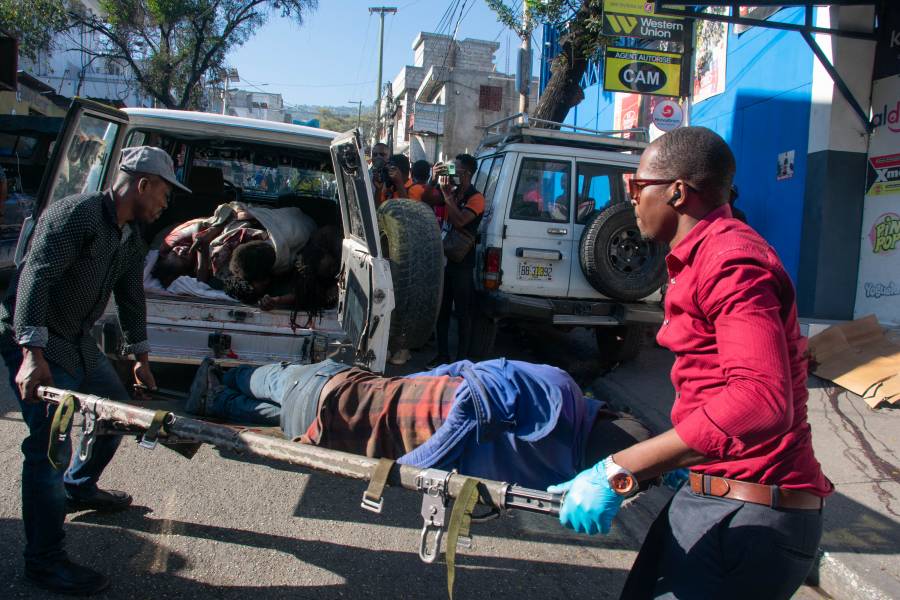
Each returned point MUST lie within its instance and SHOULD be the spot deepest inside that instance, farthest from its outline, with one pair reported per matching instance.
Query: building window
(490, 97)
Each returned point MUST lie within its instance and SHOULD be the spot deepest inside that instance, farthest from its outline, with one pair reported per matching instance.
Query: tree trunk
(563, 91)
(577, 46)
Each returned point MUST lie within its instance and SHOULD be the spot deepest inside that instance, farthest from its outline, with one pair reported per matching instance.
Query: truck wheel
(622, 343)
(411, 241)
(483, 336)
(616, 261)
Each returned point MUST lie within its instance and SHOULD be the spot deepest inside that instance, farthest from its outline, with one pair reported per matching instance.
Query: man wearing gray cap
(85, 248)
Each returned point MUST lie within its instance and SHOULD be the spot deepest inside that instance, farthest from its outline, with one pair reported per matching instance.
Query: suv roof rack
(522, 128)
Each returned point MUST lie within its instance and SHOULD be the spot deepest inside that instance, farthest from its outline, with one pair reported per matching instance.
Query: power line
(453, 37)
(314, 85)
(447, 17)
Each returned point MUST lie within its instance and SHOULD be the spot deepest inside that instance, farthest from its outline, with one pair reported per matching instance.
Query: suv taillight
(492, 271)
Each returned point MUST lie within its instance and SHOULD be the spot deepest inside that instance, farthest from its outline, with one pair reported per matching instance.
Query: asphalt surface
(219, 526)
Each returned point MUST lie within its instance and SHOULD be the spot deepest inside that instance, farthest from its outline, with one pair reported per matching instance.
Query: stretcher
(185, 435)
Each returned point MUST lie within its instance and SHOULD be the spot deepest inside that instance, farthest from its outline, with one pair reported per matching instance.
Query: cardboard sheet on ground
(859, 357)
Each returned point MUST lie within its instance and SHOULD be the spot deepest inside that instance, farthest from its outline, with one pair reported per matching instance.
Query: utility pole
(358, 104)
(525, 57)
(381, 10)
(231, 74)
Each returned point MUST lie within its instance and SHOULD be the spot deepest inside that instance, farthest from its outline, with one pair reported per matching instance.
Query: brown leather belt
(757, 493)
(331, 384)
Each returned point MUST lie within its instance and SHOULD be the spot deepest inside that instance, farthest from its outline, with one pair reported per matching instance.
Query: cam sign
(642, 71)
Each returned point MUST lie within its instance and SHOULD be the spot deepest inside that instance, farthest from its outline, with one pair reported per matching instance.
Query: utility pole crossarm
(381, 10)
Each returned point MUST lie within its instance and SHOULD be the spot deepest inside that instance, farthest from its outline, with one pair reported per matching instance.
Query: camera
(380, 171)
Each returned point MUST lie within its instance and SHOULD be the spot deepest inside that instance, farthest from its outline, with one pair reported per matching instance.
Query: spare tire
(411, 241)
(616, 260)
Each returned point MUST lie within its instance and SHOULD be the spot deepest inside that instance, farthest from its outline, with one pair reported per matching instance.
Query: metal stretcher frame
(692, 10)
(103, 416)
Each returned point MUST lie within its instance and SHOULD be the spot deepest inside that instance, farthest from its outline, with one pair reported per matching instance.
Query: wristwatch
(621, 480)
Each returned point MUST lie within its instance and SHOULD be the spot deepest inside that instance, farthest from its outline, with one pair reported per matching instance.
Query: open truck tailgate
(186, 330)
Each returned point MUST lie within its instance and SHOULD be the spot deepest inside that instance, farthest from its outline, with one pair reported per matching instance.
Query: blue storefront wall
(763, 111)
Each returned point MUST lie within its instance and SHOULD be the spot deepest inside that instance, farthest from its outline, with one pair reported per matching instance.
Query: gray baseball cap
(151, 161)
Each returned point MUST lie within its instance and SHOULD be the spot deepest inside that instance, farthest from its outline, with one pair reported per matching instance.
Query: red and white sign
(667, 115)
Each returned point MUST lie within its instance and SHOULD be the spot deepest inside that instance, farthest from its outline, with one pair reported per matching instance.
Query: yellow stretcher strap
(460, 519)
(59, 428)
(372, 499)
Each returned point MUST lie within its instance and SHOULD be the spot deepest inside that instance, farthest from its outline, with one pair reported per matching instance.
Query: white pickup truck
(390, 275)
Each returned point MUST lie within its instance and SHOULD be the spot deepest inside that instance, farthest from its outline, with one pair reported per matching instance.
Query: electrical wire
(447, 18)
(313, 85)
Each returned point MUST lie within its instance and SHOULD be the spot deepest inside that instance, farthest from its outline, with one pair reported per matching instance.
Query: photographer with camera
(396, 177)
(377, 170)
(464, 207)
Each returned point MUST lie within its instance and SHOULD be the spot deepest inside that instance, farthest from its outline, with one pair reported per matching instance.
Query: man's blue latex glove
(590, 504)
(676, 478)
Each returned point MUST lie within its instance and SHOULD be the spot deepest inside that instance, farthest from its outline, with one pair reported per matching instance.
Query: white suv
(559, 242)
(390, 274)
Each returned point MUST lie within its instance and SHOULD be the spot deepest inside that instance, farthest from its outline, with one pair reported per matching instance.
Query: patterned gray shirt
(78, 258)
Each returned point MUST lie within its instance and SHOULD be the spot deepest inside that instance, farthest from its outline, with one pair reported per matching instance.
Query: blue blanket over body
(511, 421)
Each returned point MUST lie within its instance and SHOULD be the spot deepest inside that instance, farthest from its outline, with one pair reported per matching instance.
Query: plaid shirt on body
(381, 417)
(79, 257)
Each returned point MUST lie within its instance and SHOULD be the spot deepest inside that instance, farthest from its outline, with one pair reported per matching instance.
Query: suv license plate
(531, 271)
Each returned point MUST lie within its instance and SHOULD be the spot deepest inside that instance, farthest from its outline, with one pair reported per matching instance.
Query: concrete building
(819, 186)
(250, 104)
(447, 96)
(70, 70)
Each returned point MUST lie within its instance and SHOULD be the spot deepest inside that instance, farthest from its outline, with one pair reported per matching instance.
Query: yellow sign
(642, 71)
(635, 18)
(628, 7)
(622, 24)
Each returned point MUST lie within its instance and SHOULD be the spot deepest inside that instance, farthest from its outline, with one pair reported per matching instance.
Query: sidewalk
(859, 449)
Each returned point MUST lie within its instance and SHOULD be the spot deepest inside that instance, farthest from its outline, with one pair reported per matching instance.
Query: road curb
(836, 577)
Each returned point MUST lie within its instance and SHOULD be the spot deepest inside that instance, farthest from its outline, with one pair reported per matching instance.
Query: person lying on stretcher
(499, 419)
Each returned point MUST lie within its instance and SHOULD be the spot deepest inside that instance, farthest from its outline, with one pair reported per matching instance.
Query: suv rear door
(88, 142)
(537, 251)
(366, 293)
(598, 185)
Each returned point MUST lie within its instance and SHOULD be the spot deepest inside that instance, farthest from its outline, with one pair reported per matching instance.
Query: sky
(333, 57)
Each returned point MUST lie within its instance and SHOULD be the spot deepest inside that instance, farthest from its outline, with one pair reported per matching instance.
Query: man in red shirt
(747, 523)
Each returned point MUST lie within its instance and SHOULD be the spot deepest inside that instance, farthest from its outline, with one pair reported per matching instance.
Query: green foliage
(171, 45)
(580, 25)
(33, 23)
(583, 18)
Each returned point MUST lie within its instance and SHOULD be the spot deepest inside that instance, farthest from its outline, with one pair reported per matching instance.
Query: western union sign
(642, 71)
(635, 18)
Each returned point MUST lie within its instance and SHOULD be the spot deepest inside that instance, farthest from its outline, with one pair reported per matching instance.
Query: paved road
(220, 527)
(217, 527)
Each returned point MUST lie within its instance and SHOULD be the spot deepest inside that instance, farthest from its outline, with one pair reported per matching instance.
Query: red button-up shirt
(740, 370)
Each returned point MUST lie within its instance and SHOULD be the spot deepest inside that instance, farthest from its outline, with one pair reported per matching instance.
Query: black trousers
(459, 294)
(703, 547)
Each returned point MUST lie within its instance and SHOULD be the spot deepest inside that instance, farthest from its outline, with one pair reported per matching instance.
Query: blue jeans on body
(44, 489)
(279, 393)
(252, 394)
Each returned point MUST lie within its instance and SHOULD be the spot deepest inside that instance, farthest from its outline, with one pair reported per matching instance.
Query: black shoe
(207, 382)
(437, 361)
(99, 500)
(65, 577)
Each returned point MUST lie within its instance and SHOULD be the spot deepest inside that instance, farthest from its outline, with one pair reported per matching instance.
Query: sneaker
(65, 577)
(437, 361)
(206, 382)
(400, 357)
(99, 500)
